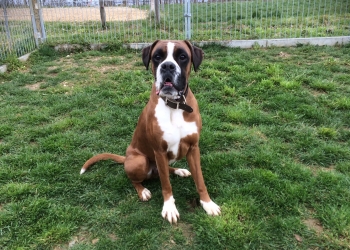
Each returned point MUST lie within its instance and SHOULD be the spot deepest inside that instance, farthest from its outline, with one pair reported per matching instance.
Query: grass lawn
(275, 151)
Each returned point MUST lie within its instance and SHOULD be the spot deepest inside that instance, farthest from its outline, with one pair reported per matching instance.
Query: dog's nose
(168, 66)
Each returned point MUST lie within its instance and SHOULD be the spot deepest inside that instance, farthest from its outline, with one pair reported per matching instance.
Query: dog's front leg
(169, 211)
(193, 159)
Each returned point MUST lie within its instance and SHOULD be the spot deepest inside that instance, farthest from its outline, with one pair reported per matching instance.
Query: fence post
(157, 7)
(37, 21)
(103, 14)
(8, 34)
(187, 16)
(154, 7)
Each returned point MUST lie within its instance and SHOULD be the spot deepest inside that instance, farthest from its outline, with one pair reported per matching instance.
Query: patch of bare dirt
(113, 237)
(261, 135)
(82, 237)
(121, 64)
(316, 93)
(316, 169)
(52, 68)
(106, 69)
(79, 14)
(33, 87)
(314, 224)
(187, 231)
(66, 84)
(284, 55)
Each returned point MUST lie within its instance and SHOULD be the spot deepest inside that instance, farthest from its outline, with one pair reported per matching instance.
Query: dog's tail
(100, 157)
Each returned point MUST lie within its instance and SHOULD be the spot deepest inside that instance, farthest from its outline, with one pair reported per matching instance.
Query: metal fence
(16, 29)
(134, 21)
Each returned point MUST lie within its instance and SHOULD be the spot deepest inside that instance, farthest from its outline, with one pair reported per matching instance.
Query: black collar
(178, 104)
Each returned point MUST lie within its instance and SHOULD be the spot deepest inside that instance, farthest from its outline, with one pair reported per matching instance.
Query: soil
(314, 224)
(77, 14)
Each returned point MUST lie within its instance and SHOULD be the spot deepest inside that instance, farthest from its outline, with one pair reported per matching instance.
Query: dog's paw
(211, 208)
(182, 172)
(169, 211)
(145, 194)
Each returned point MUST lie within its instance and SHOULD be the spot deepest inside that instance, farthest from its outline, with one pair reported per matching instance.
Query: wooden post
(103, 14)
(157, 7)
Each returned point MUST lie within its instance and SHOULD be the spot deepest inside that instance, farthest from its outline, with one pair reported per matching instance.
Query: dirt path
(78, 14)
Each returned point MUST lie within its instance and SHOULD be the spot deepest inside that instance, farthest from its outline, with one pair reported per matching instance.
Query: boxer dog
(168, 128)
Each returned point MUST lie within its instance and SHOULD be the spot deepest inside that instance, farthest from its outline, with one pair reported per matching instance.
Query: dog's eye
(157, 57)
(183, 57)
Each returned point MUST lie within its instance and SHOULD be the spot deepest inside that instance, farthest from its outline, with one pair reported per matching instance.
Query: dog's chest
(173, 126)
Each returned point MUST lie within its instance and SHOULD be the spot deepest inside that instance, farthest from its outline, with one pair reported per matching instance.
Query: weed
(290, 84)
(13, 63)
(327, 132)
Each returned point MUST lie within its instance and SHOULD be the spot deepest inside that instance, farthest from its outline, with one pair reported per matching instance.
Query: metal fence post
(187, 16)
(37, 21)
(4, 3)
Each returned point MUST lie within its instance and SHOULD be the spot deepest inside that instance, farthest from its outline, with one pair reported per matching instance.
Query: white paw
(211, 208)
(182, 172)
(146, 194)
(169, 211)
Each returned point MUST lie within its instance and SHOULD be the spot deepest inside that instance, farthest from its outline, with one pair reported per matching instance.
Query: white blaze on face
(169, 58)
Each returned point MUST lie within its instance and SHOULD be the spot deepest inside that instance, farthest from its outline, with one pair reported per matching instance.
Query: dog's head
(171, 65)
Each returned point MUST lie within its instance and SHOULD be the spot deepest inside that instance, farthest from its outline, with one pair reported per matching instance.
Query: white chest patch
(173, 126)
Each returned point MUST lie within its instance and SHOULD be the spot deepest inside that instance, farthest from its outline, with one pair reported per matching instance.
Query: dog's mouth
(166, 86)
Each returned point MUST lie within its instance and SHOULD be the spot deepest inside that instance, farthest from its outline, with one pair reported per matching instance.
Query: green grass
(275, 152)
(230, 20)
(213, 21)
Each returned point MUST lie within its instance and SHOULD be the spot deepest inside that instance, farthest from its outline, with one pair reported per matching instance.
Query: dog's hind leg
(137, 169)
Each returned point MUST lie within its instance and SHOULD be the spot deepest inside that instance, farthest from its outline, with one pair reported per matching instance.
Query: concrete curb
(3, 69)
(244, 44)
(247, 44)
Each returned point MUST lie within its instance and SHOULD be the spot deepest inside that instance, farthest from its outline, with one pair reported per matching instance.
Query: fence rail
(132, 21)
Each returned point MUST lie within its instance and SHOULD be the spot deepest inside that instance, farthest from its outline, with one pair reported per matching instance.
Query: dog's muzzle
(168, 77)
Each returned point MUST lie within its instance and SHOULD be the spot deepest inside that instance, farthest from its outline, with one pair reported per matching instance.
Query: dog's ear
(197, 55)
(146, 54)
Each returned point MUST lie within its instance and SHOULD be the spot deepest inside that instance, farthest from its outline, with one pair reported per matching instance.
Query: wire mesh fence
(138, 21)
(132, 21)
(16, 36)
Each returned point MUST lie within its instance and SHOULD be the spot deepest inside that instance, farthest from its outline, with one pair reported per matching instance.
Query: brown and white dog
(168, 127)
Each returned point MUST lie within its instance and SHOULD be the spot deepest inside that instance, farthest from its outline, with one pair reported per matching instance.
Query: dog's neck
(178, 103)
(184, 93)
